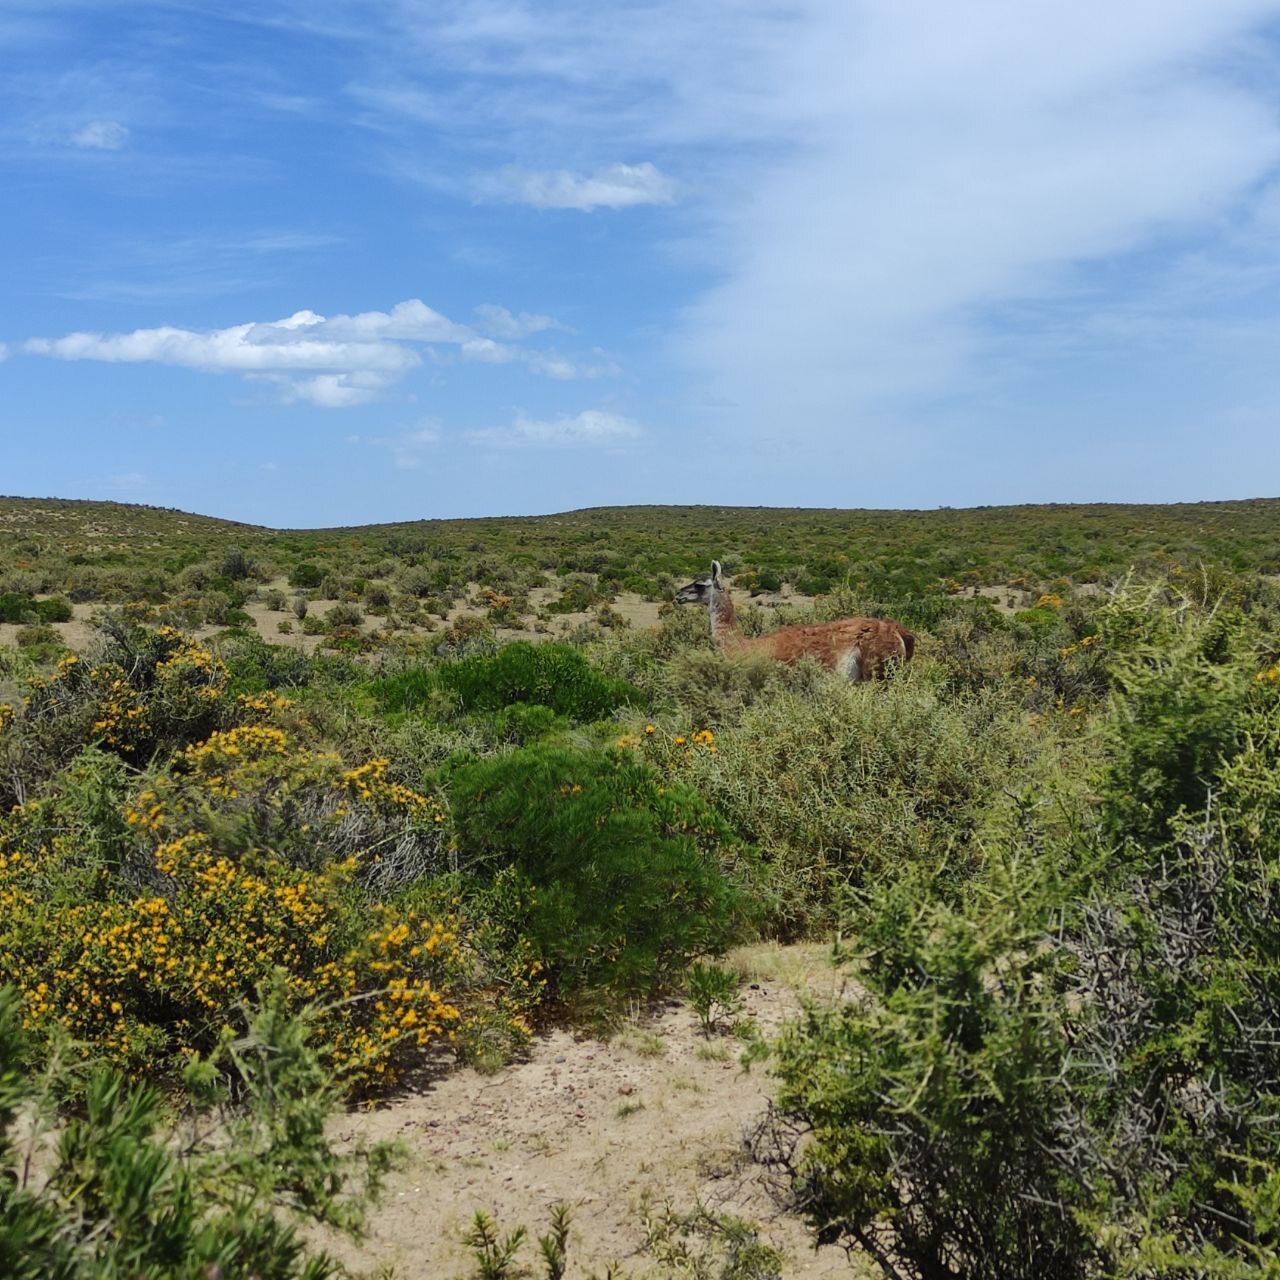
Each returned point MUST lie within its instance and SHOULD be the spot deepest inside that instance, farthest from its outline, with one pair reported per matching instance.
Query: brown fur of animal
(859, 648)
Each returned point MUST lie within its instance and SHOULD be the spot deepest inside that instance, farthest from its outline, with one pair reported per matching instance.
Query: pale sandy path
(599, 1126)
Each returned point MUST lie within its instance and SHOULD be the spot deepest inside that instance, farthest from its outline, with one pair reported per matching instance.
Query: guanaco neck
(724, 622)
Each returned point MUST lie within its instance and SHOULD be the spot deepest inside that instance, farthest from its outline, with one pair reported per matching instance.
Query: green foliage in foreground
(616, 879)
(713, 996)
(1073, 1068)
(121, 1192)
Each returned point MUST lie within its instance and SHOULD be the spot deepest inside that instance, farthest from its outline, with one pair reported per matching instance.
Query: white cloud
(549, 362)
(966, 162)
(619, 186)
(100, 135)
(500, 323)
(877, 181)
(591, 427)
(328, 390)
(4, 351)
(408, 449)
(332, 362)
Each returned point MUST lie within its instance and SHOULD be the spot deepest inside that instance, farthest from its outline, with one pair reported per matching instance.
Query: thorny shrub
(120, 1189)
(1071, 1070)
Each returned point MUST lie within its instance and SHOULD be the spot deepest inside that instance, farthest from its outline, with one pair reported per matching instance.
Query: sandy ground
(656, 1114)
(76, 634)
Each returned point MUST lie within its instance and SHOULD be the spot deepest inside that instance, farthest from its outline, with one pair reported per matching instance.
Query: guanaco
(859, 648)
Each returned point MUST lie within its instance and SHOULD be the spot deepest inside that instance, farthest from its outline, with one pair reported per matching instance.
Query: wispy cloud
(333, 362)
(198, 265)
(129, 486)
(100, 135)
(590, 428)
(409, 449)
(618, 186)
(877, 184)
(498, 322)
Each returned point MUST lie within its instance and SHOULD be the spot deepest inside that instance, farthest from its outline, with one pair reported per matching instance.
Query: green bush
(578, 596)
(1072, 1068)
(713, 995)
(15, 607)
(306, 575)
(344, 615)
(44, 640)
(836, 784)
(235, 564)
(1182, 680)
(620, 880)
(931, 1107)
(124, 1194)
(55, 609)
(551, 675)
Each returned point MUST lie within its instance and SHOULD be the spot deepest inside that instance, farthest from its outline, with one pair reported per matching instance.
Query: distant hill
(893, 552)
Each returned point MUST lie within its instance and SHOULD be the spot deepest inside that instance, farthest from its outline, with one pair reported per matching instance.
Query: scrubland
(309, 820)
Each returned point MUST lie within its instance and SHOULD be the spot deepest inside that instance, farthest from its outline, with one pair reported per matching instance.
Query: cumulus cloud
(590, 428)
(332, 362)
(100, 135)
(618, 186)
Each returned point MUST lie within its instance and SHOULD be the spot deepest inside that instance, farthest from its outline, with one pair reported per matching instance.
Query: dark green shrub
(526, 722)
(15, 607)
(551, 675)
(931, 1109)
(578, 596)
(254, 666)
(1073, 1070)
(713, 995)
(40, 637)
(54, 610)
(235, 564)
(621, 880)
(306, 575)
(344, 615)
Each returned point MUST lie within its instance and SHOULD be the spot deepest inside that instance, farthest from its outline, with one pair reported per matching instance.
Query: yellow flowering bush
(146, 979)
(140, 692)
(254, 782)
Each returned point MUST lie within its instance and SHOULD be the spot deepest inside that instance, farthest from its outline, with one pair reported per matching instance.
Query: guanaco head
(700, 590)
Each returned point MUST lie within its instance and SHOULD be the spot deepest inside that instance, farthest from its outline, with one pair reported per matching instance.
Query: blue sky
(338, 261)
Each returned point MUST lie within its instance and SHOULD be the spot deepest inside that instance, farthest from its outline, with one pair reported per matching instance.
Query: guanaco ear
(715, 572)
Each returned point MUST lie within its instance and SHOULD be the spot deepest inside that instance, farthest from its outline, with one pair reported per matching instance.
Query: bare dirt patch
(656, 1114)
